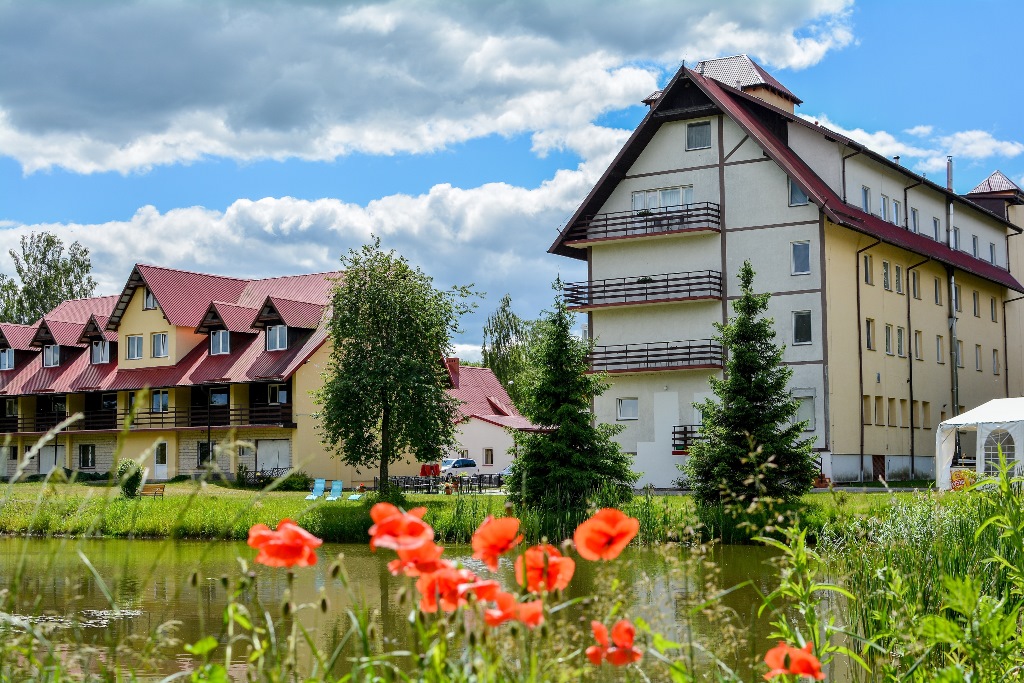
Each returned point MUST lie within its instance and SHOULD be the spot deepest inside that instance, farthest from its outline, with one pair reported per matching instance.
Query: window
(974, 246)
(12, 452)
(886, 276)
(865, 199)
(940, 352)
(915, 220)
(957, 301)
(160, 454)
(977, 357)
(51, 356)
(888, 339)
(992, 307)
(869, 275)
(998, 441)
(277, 394)
(801, 258)
(206, 453)
(883, 208)
(219, 397)
(915, 284)
(897, 211)
(7, 359)
(992, 253)
(899, 279)
(629, 409)
(977, 304)
(651, 201)
(894, 419)
(134, 347)
(879, 411)
(918, 344)
(100, 352)
(277, 337)
(11, 407)
(796, 195)
(865, 410)
(488, 456)
(148, 301)
(900, 342)
(698, 135)
(936, 229)
(160, 345)
(926, 415)
(86, 456)
(801, 327)
(869, 334)
(160, 401)
(220, 342)
(959, 353)
(956, 238)
(805, 411)
(995, 361)
(938, 292)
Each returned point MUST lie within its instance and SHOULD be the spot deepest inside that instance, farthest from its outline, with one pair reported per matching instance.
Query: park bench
(152, 490)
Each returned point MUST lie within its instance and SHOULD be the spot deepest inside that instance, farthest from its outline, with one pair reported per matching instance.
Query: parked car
(459, 466)
(507, 471)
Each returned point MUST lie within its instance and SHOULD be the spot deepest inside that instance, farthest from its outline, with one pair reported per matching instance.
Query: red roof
(314, 288)
(64, 333)
(301, 314)
(18, 337)
(235, 318)
(183, 296)
(80, 310)
(484, 397)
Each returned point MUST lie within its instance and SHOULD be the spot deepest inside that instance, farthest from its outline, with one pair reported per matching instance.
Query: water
(134, 587)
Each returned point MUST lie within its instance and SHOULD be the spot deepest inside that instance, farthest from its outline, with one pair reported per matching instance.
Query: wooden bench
(152, 490)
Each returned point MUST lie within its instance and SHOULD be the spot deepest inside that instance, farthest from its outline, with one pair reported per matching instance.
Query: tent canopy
(1000, 421)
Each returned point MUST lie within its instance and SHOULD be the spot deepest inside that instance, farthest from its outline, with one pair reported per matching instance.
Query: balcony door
(50, 458)
(160, 462)
(220, 403)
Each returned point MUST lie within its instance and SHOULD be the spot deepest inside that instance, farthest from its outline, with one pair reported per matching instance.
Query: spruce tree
(561, 469)
(750, 445)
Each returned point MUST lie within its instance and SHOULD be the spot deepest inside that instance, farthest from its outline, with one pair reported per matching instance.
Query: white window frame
(277, 337)
(955, 238)
(959, 353)
(620, 415)
(994, 310)
(915, 220)
(888, 340)
(89, 448)
(794, 200)
(883, 209)
(901, 342)
(695, 125)
(869, 270)
(975, 246)
(99, 352)
(918, 343)
(992, 253)
(149, 301)
(865, 198)
(940, 349)
(792, 252)
(133, 340)
(995, 361)
(977, 357)
(7, 359)
(869, 334)
(938, 292)
(899, 279)
(220, 342)
(915, 284)
(936, 229)
(976, 303)
(488, 455)
(958, 304)
(886, 276)
(158, 349)
(802, 395)
(810, 328)
(652, 200)
(51, 356)
(160, 401)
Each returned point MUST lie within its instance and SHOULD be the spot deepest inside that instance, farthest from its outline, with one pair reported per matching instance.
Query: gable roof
(313, 287)
(80, 310)
(997, 182)
(231, 317)
(300, 314)
(17, 337)
(484, 398)
(59, 332)
(183, 296)
(96, 326)
(744, 71)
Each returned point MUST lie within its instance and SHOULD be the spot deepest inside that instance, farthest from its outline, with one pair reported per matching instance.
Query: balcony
(702, 217)
(697, 285)
(691, 354)
(218, 416)
(683, 437)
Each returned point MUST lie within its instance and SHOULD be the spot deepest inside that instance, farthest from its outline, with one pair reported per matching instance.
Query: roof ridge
(194, 272)
(281, 277)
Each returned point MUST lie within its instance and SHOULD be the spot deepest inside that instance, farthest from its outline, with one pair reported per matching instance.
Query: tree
(564, 467)
(385, 392)
(753, 408)
(46, 277)
(508, 344)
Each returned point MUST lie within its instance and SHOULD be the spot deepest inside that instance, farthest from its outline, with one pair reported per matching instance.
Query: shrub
(179, 478)
(129, 477)
(296, 481)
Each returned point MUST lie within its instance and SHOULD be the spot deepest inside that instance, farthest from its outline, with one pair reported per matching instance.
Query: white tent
(998, 423)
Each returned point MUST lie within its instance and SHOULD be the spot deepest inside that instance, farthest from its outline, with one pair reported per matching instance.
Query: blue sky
(267, 139)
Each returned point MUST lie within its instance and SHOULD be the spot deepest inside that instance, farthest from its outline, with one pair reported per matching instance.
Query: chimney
(896, 159)
(949, 173)
(453, 371)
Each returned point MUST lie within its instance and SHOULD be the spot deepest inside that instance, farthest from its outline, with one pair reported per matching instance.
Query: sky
(259, 139)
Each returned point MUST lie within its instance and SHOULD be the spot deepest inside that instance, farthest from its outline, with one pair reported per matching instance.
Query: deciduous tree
(509, 342)
(46, 276)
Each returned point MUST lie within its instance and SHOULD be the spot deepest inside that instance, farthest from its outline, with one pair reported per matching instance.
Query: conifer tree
(566, 466)
(753, 411)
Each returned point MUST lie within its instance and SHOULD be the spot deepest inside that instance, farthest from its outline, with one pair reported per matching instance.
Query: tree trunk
(385, 446)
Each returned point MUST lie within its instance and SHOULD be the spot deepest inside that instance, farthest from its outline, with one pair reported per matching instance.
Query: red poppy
(423, 559)
(396, 529)
(605, 535)
(546, 569)
(495, 537)
(508, 608)
(784, 660)
(595, 653)
(441, 589)
(287, 546)
(621, 652)
(483, 590)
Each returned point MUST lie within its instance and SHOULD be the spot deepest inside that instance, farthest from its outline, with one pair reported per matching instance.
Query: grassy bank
(205, 511)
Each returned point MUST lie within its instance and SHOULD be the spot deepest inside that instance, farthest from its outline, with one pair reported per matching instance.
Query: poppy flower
(545, 569)
(440, 589)
(596, 653)
(396, 529)
(495, 537)
(287, 546)
(621, 652)
(508, 608)
(784, 660)
(423, 559)
(483, 590)
(605, 535)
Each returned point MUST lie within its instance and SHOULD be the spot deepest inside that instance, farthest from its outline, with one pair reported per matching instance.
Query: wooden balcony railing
(684, 436)
(683, 218)
(674, 355)
(702, 284)
(218, 416)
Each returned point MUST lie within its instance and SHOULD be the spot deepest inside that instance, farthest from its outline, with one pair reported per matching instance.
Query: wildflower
(508, 608)
(596, 653)
(620, 651)
(784, 660)
(288, 546)
(441, 589)
(605, 535)
(495, 537)
(545, 569)
(396, 529)
(423, 559)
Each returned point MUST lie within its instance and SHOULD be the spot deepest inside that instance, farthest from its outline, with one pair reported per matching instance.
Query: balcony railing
(685, 217)
(702, 284)
(674, 355)
(684, 436)
(217, 416)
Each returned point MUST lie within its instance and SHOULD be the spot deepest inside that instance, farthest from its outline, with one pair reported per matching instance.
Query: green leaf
(202, 647)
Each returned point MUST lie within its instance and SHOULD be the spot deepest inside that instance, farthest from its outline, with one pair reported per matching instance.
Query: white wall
(476, 435)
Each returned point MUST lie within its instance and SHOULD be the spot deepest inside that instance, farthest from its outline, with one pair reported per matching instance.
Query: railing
(701, 216)
(217, 416)
(702, 353)
(684, 436)
(623, 290)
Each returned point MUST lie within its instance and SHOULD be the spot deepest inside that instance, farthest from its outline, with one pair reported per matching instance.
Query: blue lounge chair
(335, 493)
(318, 489)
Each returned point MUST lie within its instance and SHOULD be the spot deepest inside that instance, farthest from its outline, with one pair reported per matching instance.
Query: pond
(151, 582)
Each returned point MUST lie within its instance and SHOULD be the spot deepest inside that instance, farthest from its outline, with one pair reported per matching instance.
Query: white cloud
(979, 144)
(921, 131)
(880, 141)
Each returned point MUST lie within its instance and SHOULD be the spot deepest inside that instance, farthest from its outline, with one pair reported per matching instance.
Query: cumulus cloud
(94, 87)
(880, 141)
(921, 131)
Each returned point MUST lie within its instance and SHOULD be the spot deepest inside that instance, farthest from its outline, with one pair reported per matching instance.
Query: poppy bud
(402, 595)
(371, 632)
(324, 605)
(224, 581)
(194, 579)
(286, 608)
(335, 570)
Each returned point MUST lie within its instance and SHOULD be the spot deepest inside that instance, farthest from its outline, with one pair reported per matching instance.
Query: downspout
(860, 354)
(1006, 357)
(842, 172)
(906, 204)
(911, 356)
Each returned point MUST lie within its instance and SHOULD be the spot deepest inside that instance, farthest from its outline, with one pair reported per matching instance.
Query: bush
(296, 481)
(129, 477)
(179, 478)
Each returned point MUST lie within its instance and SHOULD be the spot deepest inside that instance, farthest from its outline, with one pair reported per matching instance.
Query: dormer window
(7, 359)
(149, 301)
(100, 352)
(277, 337)
(220, 342)
(51, 356)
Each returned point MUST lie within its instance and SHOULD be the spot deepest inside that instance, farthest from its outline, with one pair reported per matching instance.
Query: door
(160, 462)
(50, 458)
(273, 454)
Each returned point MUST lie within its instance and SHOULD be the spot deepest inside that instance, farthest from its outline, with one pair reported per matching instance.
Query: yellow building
(888, 289)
